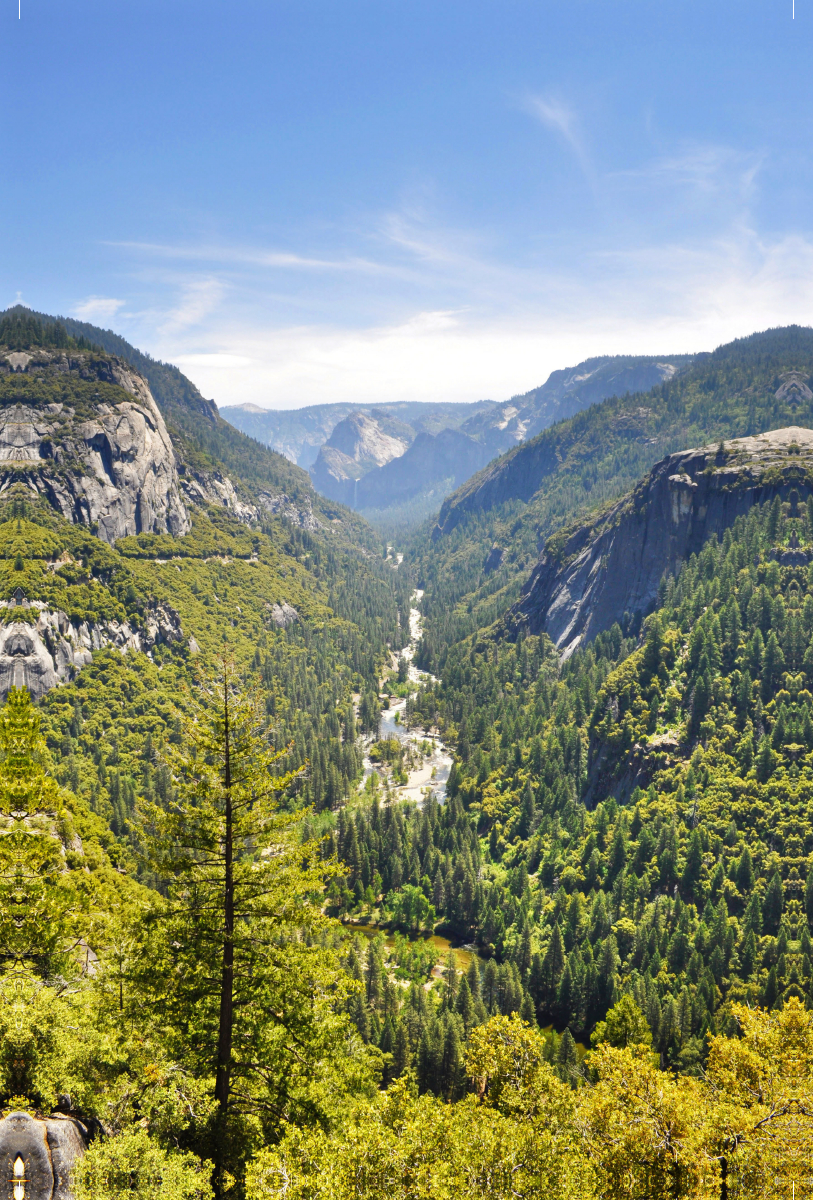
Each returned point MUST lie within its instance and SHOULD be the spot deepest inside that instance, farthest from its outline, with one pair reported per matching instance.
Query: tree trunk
(224, 1039)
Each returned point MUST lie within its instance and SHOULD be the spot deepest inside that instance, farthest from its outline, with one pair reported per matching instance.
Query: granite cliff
(40, 648)
(413, 453)
(609, 569)
(84, 431)
(358, 445)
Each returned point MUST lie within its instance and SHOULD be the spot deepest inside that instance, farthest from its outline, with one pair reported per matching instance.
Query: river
(434, 771)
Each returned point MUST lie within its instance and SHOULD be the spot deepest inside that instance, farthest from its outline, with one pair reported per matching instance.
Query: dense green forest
(250, 968)
(687, 882)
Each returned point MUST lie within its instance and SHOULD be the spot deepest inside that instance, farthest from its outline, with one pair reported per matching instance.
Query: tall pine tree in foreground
(240, 962)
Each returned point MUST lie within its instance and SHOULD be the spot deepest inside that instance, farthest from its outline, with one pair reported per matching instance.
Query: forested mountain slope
(636, 821)
(115, 537)
(132, 562)
(622, 857)
(489, 534)
(210, 446)
(441, 445)
(611, 569)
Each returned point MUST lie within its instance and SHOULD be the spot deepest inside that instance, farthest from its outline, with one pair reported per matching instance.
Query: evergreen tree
(567, 1059)
(773, 904)
(240, 918)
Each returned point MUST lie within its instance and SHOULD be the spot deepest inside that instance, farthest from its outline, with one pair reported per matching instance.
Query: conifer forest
(333, 868)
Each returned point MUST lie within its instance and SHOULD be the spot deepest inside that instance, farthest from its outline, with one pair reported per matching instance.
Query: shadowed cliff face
(105, 460)
(591, 577)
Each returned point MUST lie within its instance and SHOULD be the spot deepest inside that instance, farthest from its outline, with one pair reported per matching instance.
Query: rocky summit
(84, 431)
(609, 569)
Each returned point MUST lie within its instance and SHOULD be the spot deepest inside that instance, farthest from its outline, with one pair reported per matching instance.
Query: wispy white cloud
(97, 308)
(422, 309)
(709, 174)
(251, 256)
(655, 299)
(555, 114)
(200, 299)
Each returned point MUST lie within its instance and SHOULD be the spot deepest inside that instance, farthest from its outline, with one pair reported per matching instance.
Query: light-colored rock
(114, 469)
(609, 568)
(283, 506)
(283, 614)
(40, 649)
(214, 488)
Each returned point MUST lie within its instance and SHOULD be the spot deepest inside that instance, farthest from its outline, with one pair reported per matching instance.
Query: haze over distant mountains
(404, 458)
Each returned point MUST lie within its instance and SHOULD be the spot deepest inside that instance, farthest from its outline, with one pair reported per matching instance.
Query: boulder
(47, 1148)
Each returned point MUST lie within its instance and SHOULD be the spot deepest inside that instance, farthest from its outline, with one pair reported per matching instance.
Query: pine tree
(745, 871)
(554, 962)
(241, 914)
(464, 1004)
(567, 1059)
(618, 853)
(690, 879)
(772, 904)
(451, 1068)
(772, 667)
(400, 1057)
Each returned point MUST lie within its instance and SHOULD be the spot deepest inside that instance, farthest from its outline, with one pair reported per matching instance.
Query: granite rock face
(112, 467)
(589, 578)
(47, 1148)
(40, 649)
(358, 444)
(283, 614)
(215, 488)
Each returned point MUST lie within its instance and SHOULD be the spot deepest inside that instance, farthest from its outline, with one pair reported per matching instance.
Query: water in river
(434, 772)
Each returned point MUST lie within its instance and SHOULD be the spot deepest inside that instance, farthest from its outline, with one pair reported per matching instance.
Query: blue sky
(353, 200)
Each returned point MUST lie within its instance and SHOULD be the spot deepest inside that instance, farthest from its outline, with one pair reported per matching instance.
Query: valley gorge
(504, 823)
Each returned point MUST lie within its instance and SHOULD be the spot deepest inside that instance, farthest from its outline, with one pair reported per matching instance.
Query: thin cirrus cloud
(97, 308)
(700, 176)
(558, 116)
(447, 312)
(698, 295)
(248, 256)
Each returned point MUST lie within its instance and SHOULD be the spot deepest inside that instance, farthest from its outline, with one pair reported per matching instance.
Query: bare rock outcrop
(283, 614)
(590, 577)
(213, 487)
(39, 1153)
(282, 505)
(40, 649)
(107, 465)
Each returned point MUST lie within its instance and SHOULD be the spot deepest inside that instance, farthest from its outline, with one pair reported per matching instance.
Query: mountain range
(605, 633)
(397, 459)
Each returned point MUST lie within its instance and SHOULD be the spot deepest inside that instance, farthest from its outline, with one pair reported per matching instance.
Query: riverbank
(433, 760)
